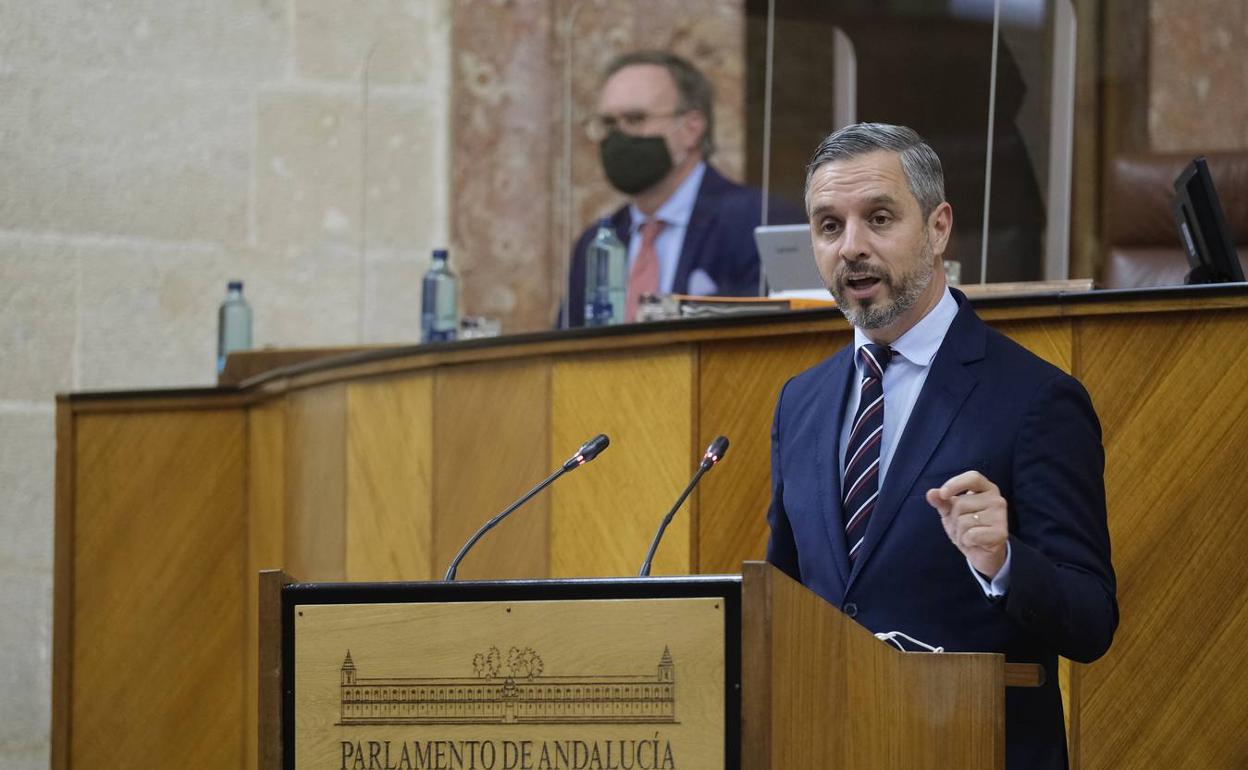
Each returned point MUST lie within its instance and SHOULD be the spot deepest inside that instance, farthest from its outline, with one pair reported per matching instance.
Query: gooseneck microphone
(588, 451)
(714, 453)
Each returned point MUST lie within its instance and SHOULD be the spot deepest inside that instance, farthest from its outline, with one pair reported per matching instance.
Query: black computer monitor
(1202, 227)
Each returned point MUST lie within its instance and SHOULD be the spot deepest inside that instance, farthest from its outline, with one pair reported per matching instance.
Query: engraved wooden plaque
(536, 684)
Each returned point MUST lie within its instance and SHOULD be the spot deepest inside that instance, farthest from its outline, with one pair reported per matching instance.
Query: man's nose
(854, 242)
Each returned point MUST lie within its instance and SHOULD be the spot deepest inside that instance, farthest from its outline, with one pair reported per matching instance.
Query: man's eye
(830, 226)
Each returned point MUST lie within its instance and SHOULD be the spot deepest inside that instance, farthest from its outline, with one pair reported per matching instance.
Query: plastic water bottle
(606, 276)
(439, 301)
(233, 324)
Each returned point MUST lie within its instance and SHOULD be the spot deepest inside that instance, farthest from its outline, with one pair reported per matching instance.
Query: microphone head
(588, 451)
(715, 452)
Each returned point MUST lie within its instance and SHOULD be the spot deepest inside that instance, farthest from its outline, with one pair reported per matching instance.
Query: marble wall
(151, 151)
(315, 149)
(526, 178)
(1198, 75)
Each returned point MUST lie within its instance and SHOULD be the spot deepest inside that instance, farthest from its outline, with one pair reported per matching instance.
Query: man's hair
(693, 90)
(919, 161)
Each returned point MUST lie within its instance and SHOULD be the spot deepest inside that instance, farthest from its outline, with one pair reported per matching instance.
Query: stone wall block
(309, 169)
(405, 179)
(141, 156)
(27, 464)
(394, 41)
(241, 40)
(148, 315)
(38, 315)
(26, 676)
(392, 299)
(309, 299)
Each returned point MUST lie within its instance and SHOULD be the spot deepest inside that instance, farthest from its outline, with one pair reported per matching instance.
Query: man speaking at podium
(935, 478)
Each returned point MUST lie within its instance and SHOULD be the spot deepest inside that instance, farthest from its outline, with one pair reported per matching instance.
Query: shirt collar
(678, 208)
(921, 341)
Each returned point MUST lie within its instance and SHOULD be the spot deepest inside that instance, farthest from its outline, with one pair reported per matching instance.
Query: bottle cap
(235, 286)
(439, 254)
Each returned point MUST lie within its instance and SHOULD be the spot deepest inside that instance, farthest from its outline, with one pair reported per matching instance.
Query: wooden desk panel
(1171, 394)
(389, 478)
(1050, 338)
(604, 515)
(316, 483)
(323, 470)
(159, 555)
(492, 425)
(739, 384)
(266, 518)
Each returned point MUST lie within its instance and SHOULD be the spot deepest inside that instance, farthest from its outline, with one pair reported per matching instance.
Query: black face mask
(634, 164)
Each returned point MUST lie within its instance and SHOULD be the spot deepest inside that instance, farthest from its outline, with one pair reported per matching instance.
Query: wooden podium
(751, 671)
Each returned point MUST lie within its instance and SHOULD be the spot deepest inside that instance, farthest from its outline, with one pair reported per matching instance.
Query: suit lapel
(948, 384)
(701, 219)
(831, 416)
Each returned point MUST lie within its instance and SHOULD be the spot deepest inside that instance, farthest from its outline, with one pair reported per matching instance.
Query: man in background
(688, 230)
(934, 477)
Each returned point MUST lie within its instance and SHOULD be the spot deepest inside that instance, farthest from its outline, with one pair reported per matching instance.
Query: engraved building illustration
(515, 693)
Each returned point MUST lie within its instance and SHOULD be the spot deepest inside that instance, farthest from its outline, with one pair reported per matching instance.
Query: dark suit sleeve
(574, 296)
(1062, 586)
(781, 548)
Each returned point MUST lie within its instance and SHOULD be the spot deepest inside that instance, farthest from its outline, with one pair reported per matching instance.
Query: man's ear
(939, 228)
(693, 127)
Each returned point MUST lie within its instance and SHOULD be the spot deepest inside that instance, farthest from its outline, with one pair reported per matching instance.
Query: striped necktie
(862, 463)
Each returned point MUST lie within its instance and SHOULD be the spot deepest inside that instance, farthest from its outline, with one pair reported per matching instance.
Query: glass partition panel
(929, 64)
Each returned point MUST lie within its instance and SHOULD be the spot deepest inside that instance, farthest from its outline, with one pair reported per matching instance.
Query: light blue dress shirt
(903, 381)
(675, 213)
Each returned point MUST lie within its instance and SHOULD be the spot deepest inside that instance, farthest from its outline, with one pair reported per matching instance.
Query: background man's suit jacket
(987, 405)
(719, 241)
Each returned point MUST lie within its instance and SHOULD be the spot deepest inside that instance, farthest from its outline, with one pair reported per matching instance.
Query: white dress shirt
(904, 376)
(674, 213)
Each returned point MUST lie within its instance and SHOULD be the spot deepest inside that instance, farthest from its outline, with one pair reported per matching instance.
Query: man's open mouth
(862, 282)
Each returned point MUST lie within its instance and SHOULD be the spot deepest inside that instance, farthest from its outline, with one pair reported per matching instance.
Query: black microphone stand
(713, 455)
(588, 451)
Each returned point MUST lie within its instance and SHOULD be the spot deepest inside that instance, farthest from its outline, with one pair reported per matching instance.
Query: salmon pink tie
(643, 277)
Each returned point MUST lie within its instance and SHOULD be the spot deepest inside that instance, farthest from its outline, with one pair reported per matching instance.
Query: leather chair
(1142, 246)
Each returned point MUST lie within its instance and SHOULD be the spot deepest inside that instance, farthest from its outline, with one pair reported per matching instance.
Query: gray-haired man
(934, 477)
(688, 229)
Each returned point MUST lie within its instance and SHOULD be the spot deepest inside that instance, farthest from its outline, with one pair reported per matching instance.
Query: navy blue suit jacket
(988, 405)
(719, 240)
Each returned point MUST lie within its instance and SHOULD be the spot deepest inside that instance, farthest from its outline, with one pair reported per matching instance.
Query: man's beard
(905, 293)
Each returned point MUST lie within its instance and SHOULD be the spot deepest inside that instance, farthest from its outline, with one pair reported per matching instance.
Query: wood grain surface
(820, 691)
(142, 496)
(604, 515)
(739, 384)
(63, 587)
(160, 549)
(492, 430)
(389, 453)
(266, 527)
(1050, 338)
(267, 723)
(1173, 689)
(582, 648)
(316, 483)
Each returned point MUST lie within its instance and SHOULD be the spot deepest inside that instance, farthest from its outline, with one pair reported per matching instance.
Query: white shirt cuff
(1000, 583)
